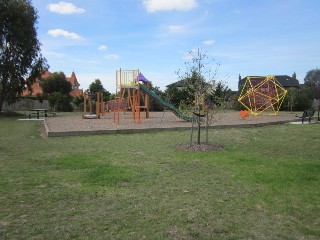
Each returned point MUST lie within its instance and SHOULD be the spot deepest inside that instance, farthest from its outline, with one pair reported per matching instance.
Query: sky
(251, 38)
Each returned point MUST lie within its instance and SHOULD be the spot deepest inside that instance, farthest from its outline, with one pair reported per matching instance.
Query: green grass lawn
(265, 184)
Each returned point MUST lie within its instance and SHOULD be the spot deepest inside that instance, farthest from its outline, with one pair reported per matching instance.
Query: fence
(25, 104)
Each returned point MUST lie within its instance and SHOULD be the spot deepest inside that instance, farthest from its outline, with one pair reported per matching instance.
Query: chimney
(294, 75)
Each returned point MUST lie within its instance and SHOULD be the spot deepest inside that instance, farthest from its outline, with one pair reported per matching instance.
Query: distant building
(75, 85)
(286, 81)
(36, 89)
(180, 84)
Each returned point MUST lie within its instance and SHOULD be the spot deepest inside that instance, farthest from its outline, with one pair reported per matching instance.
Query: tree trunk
(199, 127)
(1, 102)
(191, 131)
(207, 128)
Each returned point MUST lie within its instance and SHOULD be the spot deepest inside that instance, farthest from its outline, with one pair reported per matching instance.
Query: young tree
(201, 75)
(20, 56)
(291, 98)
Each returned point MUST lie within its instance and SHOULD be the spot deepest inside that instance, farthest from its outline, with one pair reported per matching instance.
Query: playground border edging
(148, 130)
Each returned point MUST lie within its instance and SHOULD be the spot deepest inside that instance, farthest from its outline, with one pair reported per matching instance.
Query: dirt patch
(202, 147)
(42, 130)
(4, 224)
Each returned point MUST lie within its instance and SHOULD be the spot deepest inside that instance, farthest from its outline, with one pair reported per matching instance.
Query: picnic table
(37, 111)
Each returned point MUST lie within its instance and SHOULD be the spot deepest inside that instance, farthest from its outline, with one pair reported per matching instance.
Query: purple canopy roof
(142, 78)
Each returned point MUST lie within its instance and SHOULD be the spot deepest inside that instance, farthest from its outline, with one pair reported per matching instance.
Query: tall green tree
(154, 104)
(97, 86)
(303, 100)
(55, 82)
(182, 95)
(312, 82)
(220, 95)
(20, 56)
(58, 89)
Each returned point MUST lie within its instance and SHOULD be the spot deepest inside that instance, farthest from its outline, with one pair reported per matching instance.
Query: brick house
(36, 89)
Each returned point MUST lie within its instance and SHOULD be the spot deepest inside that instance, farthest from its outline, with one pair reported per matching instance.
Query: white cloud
(103, 48)
(208, 42)
(168, 5)
(63, 33)
(64, 8)
(54, 54)
(176, 28)
(112, 56)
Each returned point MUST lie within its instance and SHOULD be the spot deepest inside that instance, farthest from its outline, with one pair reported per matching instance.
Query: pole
(84, 102)
(98, 105)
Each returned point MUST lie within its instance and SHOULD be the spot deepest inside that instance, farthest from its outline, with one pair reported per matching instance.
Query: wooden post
(102, 103)
(147, 102)
(90, 103)
(84, 102)
(138, 97)
(133, 105)
(98, 105)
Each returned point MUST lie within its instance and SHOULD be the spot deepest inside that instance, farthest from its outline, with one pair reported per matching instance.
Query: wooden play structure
(88, 101)
(129, 97)
(133, 92)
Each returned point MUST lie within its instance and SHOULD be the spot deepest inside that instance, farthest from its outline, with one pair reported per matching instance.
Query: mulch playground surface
(72, 125)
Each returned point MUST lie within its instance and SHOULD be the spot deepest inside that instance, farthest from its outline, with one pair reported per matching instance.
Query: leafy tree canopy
(220, 94)
(56, 82)
(154, 104)
(312, 81)
(182, 94)
(60, 102)
(97, 86)
(20, 56)
(291, 98)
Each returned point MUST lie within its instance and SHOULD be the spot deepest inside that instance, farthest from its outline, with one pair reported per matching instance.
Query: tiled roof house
(75, 85)
(284, 80)
(36, 89)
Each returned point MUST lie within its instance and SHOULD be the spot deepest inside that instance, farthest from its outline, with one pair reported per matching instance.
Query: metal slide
(167, 105)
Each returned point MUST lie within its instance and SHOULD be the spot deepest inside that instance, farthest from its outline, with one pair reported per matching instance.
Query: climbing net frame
(260, 94)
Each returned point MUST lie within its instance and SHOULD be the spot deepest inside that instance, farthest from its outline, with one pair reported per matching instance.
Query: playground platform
(74, 125)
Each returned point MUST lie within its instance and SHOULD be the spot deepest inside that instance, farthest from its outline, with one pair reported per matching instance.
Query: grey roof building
(284, 80)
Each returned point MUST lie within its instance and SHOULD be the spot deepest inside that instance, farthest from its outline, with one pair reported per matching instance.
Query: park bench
(306, 114)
